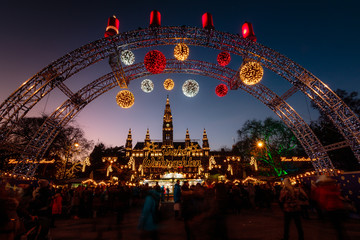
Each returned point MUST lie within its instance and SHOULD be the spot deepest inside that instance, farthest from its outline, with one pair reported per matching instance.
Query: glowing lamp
(155, 61)
(127, 57)
(112, 27)
(248, 31)
(223, 58)
(169, 84)
(190, 88)
(207, 21)
(147, 85)
(181, 51)
(251, 73)
(221, 90)
(155, 19)
(125, 99)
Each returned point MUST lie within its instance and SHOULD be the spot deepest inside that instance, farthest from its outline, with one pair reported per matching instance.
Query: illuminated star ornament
(190, 88)
(223, 58)
(251, 73)
(221, 90)
(169, 84)
(147, 85)
(181, 51)
(125, 99)
(127, 57)
(155, 61)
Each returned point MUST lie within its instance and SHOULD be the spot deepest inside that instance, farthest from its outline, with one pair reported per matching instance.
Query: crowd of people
(31, 210)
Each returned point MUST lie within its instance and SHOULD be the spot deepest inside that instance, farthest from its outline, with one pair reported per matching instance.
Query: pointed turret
(205, 144)
(167, 126)
(187, 139)
(128, 145)
(147, 138)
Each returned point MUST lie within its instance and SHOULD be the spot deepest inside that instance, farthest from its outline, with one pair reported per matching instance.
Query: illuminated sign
(163, 163)
(296, 159)
(43, 161)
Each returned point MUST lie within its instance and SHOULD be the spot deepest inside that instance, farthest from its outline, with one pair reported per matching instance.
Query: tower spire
(167, 126)
(128, 145)
(205, 144)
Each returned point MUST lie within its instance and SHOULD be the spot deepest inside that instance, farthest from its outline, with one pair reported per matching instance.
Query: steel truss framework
(53, 76)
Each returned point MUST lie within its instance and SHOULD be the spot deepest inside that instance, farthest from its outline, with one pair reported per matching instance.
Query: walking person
(56, 207)
(177, 198)
(148, 223)
(289, 197)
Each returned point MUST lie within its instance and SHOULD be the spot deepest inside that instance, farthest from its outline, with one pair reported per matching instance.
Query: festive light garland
(125, 99)
(251, 73)
(147, 85)
(223, 58)
(181, 51)
(127, 57)
(190, 88)
(169, 84)
(155, 61)
(221, 90)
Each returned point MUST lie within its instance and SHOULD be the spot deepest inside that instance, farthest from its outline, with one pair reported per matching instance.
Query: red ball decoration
(221, 90)
(155, 61)
(223, 58)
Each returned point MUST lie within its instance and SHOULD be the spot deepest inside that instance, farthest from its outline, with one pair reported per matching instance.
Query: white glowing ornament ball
(147, 85)
(190, 88)
(127, 57)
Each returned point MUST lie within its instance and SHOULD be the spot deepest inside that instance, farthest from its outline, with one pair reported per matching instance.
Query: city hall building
(166, 158)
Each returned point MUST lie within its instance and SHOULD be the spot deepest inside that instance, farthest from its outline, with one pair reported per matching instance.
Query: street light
(260, 144)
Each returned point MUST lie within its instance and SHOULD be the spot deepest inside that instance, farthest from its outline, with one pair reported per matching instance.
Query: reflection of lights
(147, 85)
(155, 61)
(223, 58)
(181, 51)
(221, 90)
(127, 57)
(190, 88)
(251, 73)
(125, 99)
(169, 84)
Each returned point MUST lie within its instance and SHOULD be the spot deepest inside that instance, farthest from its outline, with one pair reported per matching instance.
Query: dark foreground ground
(249, 224)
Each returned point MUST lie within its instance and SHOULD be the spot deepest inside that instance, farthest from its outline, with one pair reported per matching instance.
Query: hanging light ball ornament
(125, 99)
(251, 73)
(169, 84)
(190, 88)
(181, 51)
(223, 58)
(147, 85)
(221, 90)
(155, 61)
(127, 57)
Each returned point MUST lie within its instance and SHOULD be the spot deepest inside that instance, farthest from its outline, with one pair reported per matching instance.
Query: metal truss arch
(53, 76)
(68, 110)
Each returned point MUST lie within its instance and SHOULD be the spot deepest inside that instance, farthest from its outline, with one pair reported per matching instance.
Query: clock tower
(167, 126)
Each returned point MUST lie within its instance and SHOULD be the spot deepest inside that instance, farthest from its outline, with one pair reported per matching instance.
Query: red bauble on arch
(155, 61)
(223, 58)
(221, 90)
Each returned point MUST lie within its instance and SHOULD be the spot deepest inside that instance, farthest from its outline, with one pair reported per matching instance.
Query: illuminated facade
(156, 158)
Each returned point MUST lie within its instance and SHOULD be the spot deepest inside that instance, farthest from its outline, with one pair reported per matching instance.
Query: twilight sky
(322, 36)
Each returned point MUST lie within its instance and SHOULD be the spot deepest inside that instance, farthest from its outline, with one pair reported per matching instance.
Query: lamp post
(76, 145)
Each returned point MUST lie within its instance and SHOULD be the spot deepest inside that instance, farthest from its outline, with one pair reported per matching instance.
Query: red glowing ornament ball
(248, 31)
(112, 27)
(155, 19)
(223, 58)
(221, 90)
(207, 21)
(155, 61)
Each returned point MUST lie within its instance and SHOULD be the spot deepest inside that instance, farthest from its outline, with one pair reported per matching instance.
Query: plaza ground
(248, 225)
